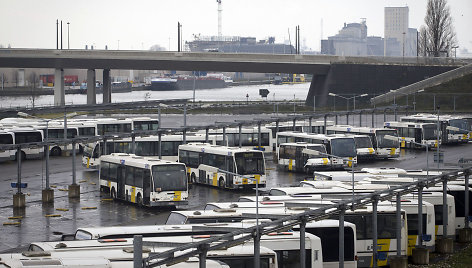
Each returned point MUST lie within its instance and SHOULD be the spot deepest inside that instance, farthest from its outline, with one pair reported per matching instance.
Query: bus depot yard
(218, 174)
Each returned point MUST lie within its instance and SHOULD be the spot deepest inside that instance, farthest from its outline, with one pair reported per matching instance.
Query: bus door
(299, 163)
(147, 186)
(417, 135)
(121, 178)
(229, 167)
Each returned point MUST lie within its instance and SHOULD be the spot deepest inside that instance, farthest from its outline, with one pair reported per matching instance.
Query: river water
(236, 93)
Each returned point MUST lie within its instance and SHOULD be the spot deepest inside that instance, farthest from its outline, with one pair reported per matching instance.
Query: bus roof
(134, 160)
(218, 149)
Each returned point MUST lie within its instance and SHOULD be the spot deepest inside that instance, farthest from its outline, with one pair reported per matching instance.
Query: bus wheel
(221, 183)
(139, 200)
(56, 151)
(113, 193)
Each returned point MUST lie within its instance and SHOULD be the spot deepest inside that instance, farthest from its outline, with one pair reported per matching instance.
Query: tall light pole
(403, 52)
(68, 41)
(348, 98)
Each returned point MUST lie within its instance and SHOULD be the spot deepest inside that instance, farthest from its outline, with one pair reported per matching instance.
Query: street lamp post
(68, 43)
(347, 99)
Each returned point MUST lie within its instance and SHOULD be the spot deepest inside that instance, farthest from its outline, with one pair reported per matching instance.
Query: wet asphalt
(94, 209)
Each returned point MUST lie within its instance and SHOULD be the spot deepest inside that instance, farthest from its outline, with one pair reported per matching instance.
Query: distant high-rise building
(399, 40)
(352, 40)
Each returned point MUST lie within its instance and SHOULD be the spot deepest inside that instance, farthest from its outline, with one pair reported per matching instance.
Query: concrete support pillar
(91, 90)
(19, 200)
(59, 92)
(48, 195)
(19, 197)
(74, 188)
(106, 86)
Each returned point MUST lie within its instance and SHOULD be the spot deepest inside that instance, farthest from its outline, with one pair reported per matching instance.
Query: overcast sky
(139, 24)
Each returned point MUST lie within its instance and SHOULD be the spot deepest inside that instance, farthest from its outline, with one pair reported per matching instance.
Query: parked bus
(204, 161)
(118, 249)
(342, 147)
(145, 146)
(295, 157)
(422, 133)
(28, 135)
(7, 138)
(55, 132)
(144, 124)
(249, 137)
(447, 136)
(143, 180)
(110, 126)
(384, 148)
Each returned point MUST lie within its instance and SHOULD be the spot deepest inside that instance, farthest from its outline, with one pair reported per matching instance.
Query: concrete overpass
(318, 65)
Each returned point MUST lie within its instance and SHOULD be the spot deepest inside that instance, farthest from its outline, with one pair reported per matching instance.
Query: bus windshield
(430, 132)
(169, 177)
(343, 147)
(459, 123)
(6, 139)
(363, 142)
(250, 163)
(386, 143)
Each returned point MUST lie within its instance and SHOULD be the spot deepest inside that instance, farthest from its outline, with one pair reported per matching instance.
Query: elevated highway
(321, 66)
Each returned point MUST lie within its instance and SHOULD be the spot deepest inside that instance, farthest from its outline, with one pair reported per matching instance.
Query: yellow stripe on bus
(325, 161)
(371, 150)
(258, 178)
(411, 243)
(290, 164)
(88, 162)
(403, 143)
(177, 195)
(215, 179)
(133, 194)
(392, 151)
(383, 245)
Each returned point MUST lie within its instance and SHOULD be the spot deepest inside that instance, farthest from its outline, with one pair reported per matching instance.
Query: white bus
(294, 157)
(28, 135)
(143, 180)
(446, 136)
(144, 124)
(342, 147)
(110, 126)
(7, 138)
(145, 146)
(121, 250)
(422, 133)
(249, 137)
(384, 148)
(204, 160)
(56, 133)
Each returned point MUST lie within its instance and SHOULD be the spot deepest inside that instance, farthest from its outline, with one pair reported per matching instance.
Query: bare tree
(34, 79)
(438, 36)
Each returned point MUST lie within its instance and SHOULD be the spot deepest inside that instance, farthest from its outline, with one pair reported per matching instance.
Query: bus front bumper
(168, 203)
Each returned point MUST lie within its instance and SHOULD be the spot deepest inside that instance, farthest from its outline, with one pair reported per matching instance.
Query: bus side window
(130, 175)
(138, 177)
